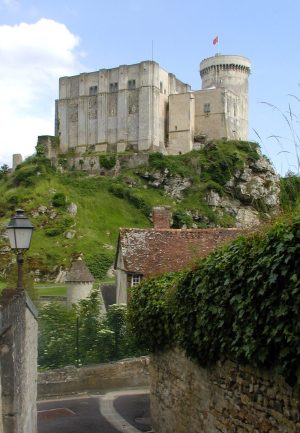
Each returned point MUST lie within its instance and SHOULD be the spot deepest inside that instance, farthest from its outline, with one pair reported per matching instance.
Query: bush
(241, 303)
(59, 200)
(107, 161)
(99, 264)
(82, 335)
(181, 218)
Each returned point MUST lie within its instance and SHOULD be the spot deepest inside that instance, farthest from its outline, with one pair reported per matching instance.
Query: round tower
(230, 73)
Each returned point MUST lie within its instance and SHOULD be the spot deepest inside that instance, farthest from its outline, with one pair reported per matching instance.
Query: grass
(51, 290)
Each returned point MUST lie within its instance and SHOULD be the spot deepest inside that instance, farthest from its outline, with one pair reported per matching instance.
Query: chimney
(161, 217)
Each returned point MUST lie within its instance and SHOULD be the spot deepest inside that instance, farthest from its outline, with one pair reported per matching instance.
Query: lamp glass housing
(19, 231)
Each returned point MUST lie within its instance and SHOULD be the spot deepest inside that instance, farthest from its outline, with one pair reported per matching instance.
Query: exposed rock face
(250, 192)
(174, 186)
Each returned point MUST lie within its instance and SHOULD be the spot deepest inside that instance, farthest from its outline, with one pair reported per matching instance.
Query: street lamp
(19, 232)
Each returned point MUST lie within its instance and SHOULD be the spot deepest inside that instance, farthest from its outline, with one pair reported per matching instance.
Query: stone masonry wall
(227, 398)
(18, 362)
(131, 372)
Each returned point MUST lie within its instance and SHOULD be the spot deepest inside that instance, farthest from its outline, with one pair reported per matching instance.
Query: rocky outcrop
(249, 194)
(252, 193)
(173, 185)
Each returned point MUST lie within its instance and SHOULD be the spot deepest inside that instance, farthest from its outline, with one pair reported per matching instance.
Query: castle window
(93, 90)
(135, 279)
(113, 87)
(131, 84)
(206, 107)
(161, 87)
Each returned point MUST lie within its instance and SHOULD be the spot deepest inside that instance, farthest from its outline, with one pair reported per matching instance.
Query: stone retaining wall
(227, 398)
(96, 378)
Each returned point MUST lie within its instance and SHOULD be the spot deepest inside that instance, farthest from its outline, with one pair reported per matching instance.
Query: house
(144, 253)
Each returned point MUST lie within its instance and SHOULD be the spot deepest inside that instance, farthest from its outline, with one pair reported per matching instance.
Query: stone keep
(144, 108)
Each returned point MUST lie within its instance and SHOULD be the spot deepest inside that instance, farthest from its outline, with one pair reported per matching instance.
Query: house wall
(225, 398)
(18, 363)
(121, 278)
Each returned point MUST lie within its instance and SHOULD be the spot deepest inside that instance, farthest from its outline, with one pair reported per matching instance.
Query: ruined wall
(18, 362)
(97, 378)
(227, 398)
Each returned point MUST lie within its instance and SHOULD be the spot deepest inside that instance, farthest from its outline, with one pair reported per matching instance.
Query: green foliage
(241, 302)
(59, 200)
(99, 264)
(132, 197)
(3, 171)
(30, 171)
(181, 218)
(57, 336)
(116, 320)
(82, 335)
(107, 161)
(290, 191)
(58, 227)
(150, 312)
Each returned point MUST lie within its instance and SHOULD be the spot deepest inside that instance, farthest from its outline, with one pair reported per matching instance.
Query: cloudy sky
(41, 41)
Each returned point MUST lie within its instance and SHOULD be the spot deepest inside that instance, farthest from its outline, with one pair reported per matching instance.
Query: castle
(144, 108)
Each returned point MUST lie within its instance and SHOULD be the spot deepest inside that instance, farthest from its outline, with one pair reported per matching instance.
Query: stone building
(149, 252)
(144, 108)
(79, 282)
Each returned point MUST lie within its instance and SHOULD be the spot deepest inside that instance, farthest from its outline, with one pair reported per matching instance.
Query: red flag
(216, 40)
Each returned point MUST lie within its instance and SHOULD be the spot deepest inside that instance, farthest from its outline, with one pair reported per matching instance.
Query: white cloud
(32, 57)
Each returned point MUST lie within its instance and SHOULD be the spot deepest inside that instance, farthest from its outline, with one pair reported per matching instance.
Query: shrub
(59, 200)
(107, 161)
(99, 264)
(181, 218)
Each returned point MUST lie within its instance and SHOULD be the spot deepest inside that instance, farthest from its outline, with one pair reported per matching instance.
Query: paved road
(120, 412)
(135, 409)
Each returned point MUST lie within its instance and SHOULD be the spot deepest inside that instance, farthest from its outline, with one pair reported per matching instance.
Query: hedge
(242, 302)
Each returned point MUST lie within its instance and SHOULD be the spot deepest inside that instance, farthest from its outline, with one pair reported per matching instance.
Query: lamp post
(19, 232)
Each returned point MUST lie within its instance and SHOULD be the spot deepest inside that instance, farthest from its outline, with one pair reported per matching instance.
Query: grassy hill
(105, 203)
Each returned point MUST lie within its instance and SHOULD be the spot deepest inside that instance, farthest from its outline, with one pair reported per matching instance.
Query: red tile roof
(154, 251)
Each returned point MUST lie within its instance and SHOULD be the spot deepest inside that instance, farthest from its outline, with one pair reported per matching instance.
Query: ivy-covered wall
(241, 303)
